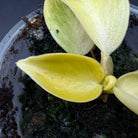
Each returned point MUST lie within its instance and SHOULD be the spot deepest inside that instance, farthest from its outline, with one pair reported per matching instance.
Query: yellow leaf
(105, 21)
(70, 77)
(126, 90)
(108, 83)
(65, 28)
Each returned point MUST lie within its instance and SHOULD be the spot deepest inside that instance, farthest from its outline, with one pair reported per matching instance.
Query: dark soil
(47, 116)
(7, 111)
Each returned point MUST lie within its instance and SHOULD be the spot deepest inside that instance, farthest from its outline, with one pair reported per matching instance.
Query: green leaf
(65, 28)
(105, 21)
(70, 77)
(126, 90)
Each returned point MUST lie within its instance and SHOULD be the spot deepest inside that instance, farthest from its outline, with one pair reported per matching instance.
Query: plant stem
(107, 64)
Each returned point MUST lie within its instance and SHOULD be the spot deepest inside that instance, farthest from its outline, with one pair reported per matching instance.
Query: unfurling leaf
(70, 77)
(105, 21)
(126, 90)
(108, 83)
(65, 28)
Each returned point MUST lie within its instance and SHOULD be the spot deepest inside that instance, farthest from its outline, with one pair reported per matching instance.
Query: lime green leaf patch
(109, 83)
(70, 77)
(65, 28)
(126, 90)
(105, 21)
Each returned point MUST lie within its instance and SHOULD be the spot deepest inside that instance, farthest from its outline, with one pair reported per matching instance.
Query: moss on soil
(125, 60)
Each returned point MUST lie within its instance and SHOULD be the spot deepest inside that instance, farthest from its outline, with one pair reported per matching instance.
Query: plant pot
(134, 10)
(15, 46)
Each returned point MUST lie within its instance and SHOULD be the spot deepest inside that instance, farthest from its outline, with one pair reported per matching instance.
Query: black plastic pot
(14, 47)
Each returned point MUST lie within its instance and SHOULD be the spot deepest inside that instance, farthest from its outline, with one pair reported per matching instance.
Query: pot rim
(134, 9)
(13, 34)
(6, 44)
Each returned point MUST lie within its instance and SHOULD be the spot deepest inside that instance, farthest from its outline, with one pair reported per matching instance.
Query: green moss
(125, 60)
